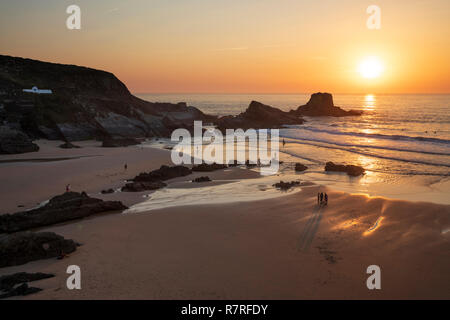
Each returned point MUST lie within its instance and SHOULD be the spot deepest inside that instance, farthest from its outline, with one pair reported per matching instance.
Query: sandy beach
(285, 247)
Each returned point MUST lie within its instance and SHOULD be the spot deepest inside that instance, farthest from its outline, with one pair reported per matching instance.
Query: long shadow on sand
(310, 229)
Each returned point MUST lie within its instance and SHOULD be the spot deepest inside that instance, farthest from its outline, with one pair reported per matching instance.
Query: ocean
(403, 141)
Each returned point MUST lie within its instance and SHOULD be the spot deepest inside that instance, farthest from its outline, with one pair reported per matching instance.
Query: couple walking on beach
(322, 198)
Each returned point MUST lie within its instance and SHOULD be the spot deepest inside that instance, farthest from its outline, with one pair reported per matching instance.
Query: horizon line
(286, 93)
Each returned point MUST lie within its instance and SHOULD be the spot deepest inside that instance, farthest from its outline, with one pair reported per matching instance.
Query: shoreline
(280, 248)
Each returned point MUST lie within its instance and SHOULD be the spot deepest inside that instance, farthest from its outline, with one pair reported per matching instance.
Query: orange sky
(247, 46)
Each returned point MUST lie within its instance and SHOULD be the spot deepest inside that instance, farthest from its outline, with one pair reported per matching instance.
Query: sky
(240, 46)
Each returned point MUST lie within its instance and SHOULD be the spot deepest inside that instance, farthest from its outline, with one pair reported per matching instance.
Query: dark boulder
(163, 173)
(249, 164)
(22, 247)
(202, 179)
(13, 141)
(21, 290)
(8, 282)
(143, 186)
(205, 167)
(65, 207)
(286, 185)
(351, 170)
(300, 167)
(68, 145)
(321, 104)
(106, 191)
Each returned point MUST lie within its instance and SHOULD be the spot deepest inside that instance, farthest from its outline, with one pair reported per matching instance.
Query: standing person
(326, 199)
(284, 142)
(321, 197)
(125, 167)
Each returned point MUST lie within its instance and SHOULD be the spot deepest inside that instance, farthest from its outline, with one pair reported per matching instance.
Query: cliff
(84, 104)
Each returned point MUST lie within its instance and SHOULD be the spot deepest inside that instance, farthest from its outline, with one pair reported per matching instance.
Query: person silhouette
(326, 199)
(321, 197)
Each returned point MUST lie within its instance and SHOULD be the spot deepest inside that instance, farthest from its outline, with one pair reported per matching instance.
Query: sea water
(403, 141)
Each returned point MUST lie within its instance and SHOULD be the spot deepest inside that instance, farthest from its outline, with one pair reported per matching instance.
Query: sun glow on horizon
(371, 67)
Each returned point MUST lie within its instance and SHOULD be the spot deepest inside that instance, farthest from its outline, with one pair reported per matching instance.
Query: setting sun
(371, 67)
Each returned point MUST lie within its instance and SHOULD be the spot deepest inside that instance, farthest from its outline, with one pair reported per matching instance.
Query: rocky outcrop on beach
(154, 180)
(68, 145)
(107, 191)
(202, 179)
(22, 247)
(300, 167)
(351, 170)
(143, 186)
(13, 141)
(286, 185)
(321, 104)
(205, 167)
(21, 290)
(84, 103)
(17, 284)
(65, 207)
(163, 173)
(258, 116)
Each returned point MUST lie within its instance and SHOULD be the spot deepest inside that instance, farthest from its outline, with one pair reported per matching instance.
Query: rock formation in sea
(351, 170)
(258, 116)
(300, 167)
(65, 207)
(321, 104)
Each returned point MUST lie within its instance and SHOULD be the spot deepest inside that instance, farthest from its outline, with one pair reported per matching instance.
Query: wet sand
(282, 248)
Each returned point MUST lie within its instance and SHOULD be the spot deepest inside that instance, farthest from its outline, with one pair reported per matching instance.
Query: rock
(22, 247)
(286, 185)
(204, 167)
(107, 191)
(22, 290)
(250, 165)
(300, 167)
(122, 142)
(143, 186)
(163, 173)
(202, 179)
(8, 282)
(351, 170)
(321, 104)
(65, 207)
(233, 163)
(13, 141)
(68, 145)
(258, 116)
